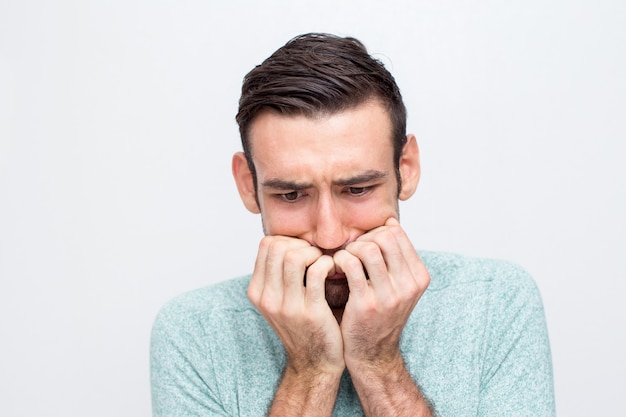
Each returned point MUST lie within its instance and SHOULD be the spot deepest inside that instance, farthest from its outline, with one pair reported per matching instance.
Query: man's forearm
(311, 395)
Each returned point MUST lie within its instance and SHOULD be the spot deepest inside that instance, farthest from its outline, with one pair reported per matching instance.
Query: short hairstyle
(319, 74)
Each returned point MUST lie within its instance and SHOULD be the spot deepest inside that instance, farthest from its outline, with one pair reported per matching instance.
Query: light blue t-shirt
(476, 344)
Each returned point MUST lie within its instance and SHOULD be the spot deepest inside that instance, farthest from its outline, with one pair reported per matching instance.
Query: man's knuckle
(292, 258)
(371, 250)
(354, 263)
(265, 243)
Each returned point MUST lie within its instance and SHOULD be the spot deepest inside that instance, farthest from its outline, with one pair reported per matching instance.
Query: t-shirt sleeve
(183, 380)
(517, 372)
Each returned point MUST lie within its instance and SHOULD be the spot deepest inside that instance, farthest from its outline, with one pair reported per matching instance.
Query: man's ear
(409, 166)
(245, 183)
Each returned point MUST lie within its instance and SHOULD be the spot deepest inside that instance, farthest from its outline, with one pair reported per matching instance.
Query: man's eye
(358, 190)
(292, 196)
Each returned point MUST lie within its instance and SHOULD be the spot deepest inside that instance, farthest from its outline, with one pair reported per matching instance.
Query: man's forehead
(269, 123)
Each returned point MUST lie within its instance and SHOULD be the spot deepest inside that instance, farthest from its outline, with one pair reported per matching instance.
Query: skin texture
(328, 198)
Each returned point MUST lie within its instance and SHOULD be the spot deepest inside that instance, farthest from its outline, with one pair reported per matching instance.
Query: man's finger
(316, 278)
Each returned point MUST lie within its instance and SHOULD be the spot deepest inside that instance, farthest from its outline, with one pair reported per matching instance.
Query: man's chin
(337, 293)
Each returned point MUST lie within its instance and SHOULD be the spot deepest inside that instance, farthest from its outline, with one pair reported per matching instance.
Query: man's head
(326, 157)
(317, 75)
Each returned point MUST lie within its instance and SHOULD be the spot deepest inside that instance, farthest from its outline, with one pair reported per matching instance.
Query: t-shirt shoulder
(448, 269)
(201, 303)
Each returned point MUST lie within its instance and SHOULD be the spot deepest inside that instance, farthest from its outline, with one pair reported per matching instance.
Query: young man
(341, 316)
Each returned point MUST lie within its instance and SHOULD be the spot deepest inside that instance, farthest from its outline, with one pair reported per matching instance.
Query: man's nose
(330, 231)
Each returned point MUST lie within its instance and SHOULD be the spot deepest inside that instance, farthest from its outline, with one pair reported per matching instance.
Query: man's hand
(367, 343)
(375, 315)
(303, 321)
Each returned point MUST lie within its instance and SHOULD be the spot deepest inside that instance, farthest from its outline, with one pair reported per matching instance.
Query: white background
(117, 127)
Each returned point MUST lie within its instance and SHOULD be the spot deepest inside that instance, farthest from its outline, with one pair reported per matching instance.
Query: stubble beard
(337, 293)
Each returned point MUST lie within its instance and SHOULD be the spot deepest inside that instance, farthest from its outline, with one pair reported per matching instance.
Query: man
(341, 316)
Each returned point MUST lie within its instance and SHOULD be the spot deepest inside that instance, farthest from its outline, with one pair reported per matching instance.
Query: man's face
(326, 180)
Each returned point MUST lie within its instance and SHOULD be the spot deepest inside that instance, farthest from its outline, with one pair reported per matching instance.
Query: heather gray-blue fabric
(476, 344)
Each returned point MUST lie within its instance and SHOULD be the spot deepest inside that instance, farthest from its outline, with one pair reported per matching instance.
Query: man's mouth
(336, 275)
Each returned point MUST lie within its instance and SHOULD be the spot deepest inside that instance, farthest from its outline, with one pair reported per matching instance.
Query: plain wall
(117, 129)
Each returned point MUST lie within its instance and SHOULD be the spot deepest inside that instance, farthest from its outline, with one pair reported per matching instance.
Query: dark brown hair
(319, 74)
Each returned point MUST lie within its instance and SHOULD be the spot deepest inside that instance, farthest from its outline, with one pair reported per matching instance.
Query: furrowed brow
(363, 178)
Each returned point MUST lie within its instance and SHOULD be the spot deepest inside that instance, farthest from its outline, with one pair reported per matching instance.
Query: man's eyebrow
(279, 184)
(363, 178)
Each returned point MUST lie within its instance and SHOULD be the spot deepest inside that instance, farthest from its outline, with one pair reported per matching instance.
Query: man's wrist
(382, 369)
(314, 375)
